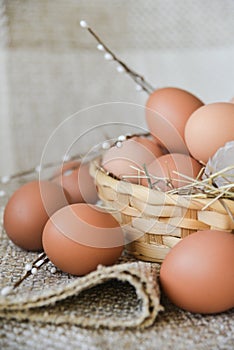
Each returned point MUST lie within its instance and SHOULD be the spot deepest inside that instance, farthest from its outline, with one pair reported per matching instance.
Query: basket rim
(154, 221)
(156, 197)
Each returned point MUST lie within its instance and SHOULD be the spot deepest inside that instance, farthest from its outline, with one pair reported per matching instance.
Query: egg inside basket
(154, 221)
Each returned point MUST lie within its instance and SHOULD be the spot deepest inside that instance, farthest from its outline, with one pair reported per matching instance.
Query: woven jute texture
(111, 308)
(127, 294)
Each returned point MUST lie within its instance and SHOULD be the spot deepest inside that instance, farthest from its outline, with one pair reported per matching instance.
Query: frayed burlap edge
(142, 276)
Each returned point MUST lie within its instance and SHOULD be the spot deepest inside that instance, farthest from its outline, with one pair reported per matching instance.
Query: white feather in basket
(222, 164)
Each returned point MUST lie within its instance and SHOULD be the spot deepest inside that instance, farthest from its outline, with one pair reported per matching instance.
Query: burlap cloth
(113, 307)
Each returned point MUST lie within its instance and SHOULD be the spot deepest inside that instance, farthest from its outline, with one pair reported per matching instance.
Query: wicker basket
(155, 221)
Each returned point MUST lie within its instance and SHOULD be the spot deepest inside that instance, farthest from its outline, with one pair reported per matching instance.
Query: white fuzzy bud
(138, 87)
(122, 138)
(53, 270)
(83, 24)
(100, 47)
(108, 56)
(5, 179)
(105, 145)
(34, 271)
(119, 144)
(6, 290)
(38, 168)
(2, 193)
(120, 69)
(66, 157)
(28, 267)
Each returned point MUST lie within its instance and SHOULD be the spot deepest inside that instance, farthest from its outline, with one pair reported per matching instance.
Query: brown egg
(28, 210)
(75, 178)
(79, 237)
(197, 274)
(167, 111)
(209, 128)
(164, 167)
(134, 152)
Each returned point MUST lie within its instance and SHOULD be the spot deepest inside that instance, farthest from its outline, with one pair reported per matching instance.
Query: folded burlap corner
(124, 295)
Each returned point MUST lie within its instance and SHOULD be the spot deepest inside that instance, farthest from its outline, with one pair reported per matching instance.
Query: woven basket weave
(155, 221)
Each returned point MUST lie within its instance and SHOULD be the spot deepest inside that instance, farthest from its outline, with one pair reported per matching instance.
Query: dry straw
(154, 221)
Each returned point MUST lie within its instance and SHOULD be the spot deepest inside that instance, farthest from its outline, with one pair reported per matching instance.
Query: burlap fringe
(142, 276)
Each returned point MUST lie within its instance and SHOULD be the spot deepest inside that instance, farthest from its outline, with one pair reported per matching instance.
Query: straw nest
(154, 221)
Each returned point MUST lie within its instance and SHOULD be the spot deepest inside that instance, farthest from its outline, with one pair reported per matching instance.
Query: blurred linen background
(50, 68)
